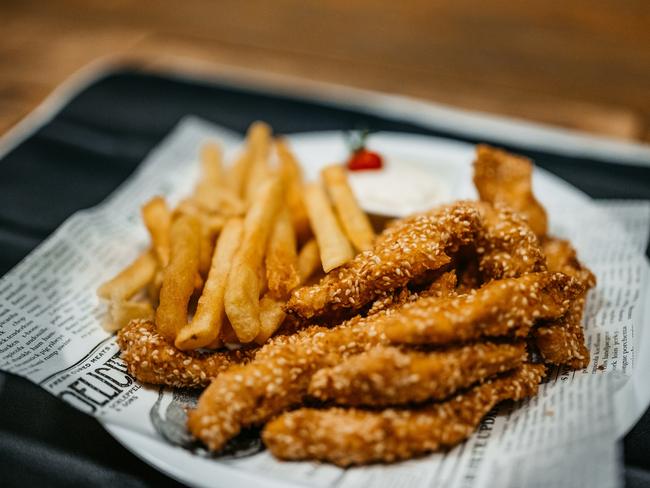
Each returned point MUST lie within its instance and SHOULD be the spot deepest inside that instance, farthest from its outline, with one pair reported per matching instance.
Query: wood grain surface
(579, 64)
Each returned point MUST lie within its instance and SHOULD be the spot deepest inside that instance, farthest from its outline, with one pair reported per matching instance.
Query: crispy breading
(352, 436)
(506, 247)
(410, 248)
(562, 257)
(500, 308)
(562, 341)
(153, 360)
(442, 286)
(279, 375)
(393, 376)
(502, 177)
(276, 379)
(406, 250)
(443, 309)
(392, 299)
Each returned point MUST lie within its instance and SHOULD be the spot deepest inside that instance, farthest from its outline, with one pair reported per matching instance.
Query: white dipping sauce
(400, 188)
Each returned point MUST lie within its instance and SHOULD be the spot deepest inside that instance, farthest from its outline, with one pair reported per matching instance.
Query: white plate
(315, 150)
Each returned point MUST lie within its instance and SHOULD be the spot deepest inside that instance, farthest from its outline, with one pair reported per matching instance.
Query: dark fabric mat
(91, 146)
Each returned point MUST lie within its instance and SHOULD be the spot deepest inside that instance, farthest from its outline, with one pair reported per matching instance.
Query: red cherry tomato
(363, 160)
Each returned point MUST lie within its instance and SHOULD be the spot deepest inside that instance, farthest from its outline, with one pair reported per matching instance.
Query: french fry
(281, 257)
(121, 312)
(212, 193)
(206, 248)
(259, 138)
(291, 172)
(210, 226)
(354, 220)
(243, 286)
(206, 324)
(230, 204)
(206, 193)
(220, 199)
(190, 207)
(238, 172)
(308, 260)
(131, 279)
(153, 287)
(271, 317)
(214, 223)
(335, 249)
(259, 145)
(157, 218)
(179, 277)
(211, 164)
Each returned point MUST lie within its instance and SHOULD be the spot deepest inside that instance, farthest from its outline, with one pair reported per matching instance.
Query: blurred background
(581, 64)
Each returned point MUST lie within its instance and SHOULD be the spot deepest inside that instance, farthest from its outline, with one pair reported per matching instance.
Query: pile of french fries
(222, 264)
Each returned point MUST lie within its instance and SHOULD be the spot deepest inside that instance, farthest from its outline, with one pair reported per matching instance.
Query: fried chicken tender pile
(446, 315)
(353, 436)
(405, 251)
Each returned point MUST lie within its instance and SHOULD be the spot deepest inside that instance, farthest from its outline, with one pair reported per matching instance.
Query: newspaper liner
(50, 334)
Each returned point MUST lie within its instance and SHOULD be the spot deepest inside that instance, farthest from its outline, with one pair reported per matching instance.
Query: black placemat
(92, 145)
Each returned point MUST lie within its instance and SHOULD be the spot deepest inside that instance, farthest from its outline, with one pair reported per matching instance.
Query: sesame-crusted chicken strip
(507, 307)
(562, 257)
(442, 286)
(406, 250)
(277, 379)
(562, 341)
(392, 299)
(151, 359)
(279, 375)
(392, 376)
(502, 177)
(352, 436)
(506, 247)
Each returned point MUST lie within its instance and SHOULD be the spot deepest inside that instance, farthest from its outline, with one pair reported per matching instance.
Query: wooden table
(579, 64)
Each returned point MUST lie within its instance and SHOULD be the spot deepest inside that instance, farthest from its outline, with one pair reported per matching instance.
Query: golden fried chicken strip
(500, 308)
(442, 286)
(151, 359)
(562, 341)
(392, 299)
(506, 247)
(502, 177)
(275, 380)
(562, 257)
(392, 376)
(406, 250)
(279, 375)
(353, 436)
